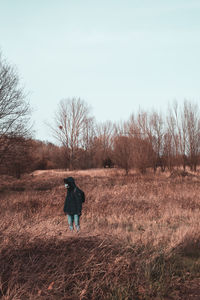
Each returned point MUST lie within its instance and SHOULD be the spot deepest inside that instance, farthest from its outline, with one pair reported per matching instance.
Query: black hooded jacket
(74, 198)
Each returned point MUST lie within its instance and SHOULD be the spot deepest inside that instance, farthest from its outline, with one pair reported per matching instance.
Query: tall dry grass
(139, 237)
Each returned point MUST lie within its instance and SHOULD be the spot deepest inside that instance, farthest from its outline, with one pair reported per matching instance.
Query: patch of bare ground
(139, 238)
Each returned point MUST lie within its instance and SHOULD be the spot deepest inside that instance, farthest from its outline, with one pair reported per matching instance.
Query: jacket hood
(70, 181)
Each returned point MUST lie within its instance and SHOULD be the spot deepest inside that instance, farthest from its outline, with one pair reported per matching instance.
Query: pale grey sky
(117, 55)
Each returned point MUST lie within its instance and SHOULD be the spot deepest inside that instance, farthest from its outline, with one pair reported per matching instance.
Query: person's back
(73, 203)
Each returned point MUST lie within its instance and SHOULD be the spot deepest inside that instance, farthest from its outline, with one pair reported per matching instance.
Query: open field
(139, 238)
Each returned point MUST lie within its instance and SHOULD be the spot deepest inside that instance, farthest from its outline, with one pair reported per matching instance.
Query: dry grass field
(139, 238)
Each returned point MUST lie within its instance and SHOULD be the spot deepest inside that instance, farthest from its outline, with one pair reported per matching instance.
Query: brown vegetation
(15, 126)
(139, 237)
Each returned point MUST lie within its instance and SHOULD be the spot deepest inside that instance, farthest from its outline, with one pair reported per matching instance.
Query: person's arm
(65, 205)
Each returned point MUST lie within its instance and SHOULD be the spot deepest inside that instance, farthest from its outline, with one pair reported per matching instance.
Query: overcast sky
(117, 55)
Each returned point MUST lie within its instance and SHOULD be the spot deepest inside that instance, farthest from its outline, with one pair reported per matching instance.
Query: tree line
(148, 139)
(145, 140)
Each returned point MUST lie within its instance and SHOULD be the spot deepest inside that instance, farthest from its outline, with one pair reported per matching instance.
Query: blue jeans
(73, 219)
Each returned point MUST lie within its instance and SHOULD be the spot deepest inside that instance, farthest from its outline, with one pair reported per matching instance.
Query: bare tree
(70, 124)
(14, 109)
(123, 152)
(184, 127)
(156, 139)
(174, 130)
(87, 145)
(146, 131)
(104, 142)
(192, 116)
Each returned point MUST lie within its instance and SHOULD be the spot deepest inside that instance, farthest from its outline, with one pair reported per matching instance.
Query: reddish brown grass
(139, 237)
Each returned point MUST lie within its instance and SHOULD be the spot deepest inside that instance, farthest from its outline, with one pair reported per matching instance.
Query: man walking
(73, 203)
